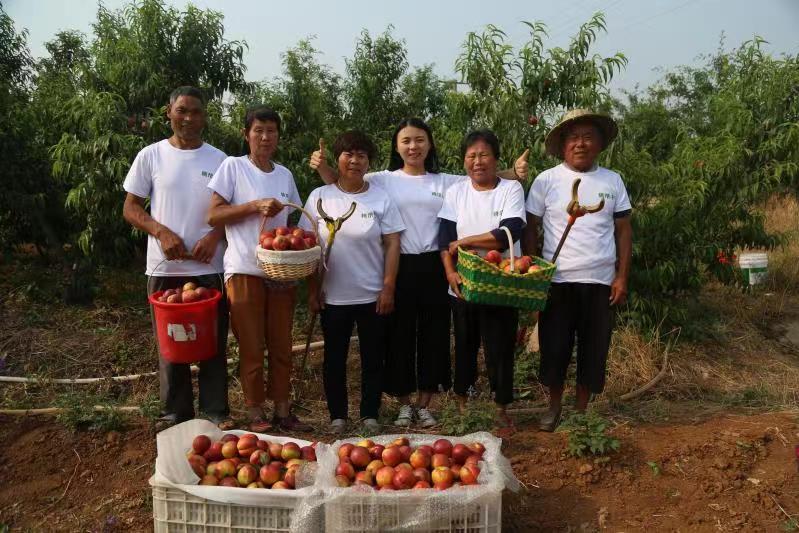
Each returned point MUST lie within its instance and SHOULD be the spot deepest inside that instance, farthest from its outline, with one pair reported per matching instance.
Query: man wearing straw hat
(174, 174)
(594, 262)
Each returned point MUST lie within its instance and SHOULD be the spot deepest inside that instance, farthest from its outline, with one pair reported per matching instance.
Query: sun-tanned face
(582, 144)
(353, 164)
(187, 118)
(262, 137)
(480, 163)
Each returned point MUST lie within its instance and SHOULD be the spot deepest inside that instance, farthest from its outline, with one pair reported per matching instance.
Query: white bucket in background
(754, 266)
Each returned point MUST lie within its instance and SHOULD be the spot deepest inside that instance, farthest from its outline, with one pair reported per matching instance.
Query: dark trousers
(494, 326)
(337, 323)
(177, 397)
(580, 309)
(418, 355)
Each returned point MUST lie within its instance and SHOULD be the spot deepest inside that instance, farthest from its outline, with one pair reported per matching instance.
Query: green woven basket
(485, 283)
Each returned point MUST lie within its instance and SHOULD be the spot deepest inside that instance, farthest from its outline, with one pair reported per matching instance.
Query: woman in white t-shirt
(246, 189)
(419, 350)
(359, 283)
(471, 217)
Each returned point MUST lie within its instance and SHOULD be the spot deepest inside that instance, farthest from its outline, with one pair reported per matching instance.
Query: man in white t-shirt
(182, 247)
(594, 262)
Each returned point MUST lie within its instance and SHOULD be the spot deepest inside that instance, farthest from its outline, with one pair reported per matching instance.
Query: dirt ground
(730, 472)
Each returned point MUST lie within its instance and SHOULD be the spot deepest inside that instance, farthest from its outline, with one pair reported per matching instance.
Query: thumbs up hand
(521, 167)
(318, 161)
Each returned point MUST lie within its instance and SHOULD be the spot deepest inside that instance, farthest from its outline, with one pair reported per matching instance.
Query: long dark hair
(430, 162)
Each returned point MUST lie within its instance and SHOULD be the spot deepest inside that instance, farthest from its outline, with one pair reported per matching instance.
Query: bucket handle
(185, 258)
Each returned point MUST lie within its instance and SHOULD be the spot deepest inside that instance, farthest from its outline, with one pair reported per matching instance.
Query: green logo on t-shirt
(497, 213)
(368, 214)
(438, 194)
(607, 196)
(206, 174)
(284, 195)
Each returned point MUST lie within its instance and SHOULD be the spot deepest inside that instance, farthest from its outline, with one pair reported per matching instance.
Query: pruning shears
(333, 225)
(575, 211)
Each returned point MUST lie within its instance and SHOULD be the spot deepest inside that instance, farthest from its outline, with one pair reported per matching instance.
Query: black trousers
(337, 323)
(177, 397)
(494, 326)
(580, 309)
(418, 356)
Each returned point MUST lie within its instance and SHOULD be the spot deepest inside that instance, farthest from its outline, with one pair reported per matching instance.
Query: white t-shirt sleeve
(449, 209)
(294, 196)
(622, 199)
(536, 204)
(514, 207)
(391, 221)
(378, 178)
(139, 180)
(224, 181)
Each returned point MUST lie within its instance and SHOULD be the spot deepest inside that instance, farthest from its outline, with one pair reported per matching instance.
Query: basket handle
(304, 212)
(510, 248)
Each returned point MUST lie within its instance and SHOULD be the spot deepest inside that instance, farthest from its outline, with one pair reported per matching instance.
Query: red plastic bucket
(187, 332)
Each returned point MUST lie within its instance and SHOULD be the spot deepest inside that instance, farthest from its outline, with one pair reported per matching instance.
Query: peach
(419, 459)
(308, 453)
(404, 466)
(365, 476)
(422, 474)
(291, 450)
(403, 479)
(401, 441)
(376, 451)
(443, 446)
(460, 452)
(385, 476)
(406, 452)
(281, 485)
(290, 477)
(247, 475)
(442, 474)
(440, 459)
(200, 444)
(269, 475)
(392, 456)
(360, 457)
(366, 443)
(477, 448)
(342, 481)
(345, 469)
(225, 468)
(211, 468)
(256, 485)
(345, 449)
(421, 484)
(374, 466)
(469, 474)
(228, 437)
(229, 450)
(229, 482)
(209, 480)
(189, 286)
(275, 450)
(259, 458)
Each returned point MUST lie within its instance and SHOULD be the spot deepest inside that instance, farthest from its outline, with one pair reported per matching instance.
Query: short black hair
(187, 90)
(354, 140)
(485, 135)
(430, 162)
(262, 113)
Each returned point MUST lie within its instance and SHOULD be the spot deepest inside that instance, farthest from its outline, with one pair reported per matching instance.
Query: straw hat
(605, 124)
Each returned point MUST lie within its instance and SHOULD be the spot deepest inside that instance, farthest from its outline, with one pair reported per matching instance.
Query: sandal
(259, 425)
(291, 423)
(225, 423)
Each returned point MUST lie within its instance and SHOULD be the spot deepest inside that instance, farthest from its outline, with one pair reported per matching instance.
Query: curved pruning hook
(575, 211)
(333, 225)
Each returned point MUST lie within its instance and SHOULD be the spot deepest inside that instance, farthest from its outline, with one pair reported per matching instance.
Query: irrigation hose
(132, 377)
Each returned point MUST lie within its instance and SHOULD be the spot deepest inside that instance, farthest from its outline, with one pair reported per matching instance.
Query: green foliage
(79, 413)
(655, 467)
(479, 416)
(588, 435)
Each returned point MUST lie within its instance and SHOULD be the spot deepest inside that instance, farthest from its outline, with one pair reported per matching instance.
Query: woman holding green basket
(473, 213)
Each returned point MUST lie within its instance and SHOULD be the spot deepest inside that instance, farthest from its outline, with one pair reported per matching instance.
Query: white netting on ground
(361, 508)
(319, 504)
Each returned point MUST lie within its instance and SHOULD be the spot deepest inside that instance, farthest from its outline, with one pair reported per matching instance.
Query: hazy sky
(652, 34)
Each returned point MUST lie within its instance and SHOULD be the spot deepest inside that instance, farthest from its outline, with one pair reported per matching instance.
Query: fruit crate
(177, 511)
(358, 512)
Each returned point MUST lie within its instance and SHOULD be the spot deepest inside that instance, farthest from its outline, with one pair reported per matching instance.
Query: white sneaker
(405, 416)
(426, 418)
(371, 426)
(338, 426)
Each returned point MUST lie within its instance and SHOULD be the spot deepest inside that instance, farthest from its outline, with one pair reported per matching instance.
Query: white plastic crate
(473, 508)
(177, 511)
(391, 511)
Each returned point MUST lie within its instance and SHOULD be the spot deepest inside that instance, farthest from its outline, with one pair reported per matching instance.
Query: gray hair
(187, 90)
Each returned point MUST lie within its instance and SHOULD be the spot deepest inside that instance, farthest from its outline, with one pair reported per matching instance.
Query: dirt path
(729, 473)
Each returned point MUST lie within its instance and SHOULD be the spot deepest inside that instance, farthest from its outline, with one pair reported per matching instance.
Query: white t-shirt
(589, 253)
(476, 212)
(357, 259)
(176, 181)
(239, 181)
(419, 199)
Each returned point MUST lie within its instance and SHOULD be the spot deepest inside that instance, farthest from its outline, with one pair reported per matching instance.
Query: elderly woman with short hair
(474, 210)
(358, 285)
